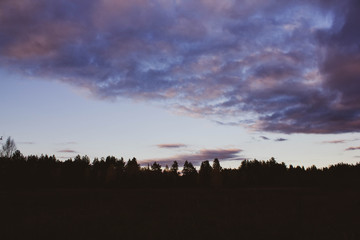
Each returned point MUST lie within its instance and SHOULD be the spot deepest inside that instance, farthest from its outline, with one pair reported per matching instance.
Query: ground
(251, 213)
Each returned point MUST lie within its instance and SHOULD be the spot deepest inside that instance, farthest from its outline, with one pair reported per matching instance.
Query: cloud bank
(277, 66)
(197, 157)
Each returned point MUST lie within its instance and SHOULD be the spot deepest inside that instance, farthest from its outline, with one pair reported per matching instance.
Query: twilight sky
(182, 80)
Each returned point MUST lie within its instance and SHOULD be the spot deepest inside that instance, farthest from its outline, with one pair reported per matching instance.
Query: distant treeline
(47, 171)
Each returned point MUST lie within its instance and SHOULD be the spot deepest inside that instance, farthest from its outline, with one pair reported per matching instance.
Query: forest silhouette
(42, 197)
(34, 171)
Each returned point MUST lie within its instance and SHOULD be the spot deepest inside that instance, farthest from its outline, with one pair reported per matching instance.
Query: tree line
(47, 171)
(17, 170)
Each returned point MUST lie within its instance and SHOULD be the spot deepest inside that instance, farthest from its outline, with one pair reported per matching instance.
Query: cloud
(335, 141)
(171, 145)
(276, 66)
(26, 143)
(67, 151)
(341, 141)
(197, 157)
(227, 123)
(68, 143)
(264, 138)
(352, 148)
(276, 140)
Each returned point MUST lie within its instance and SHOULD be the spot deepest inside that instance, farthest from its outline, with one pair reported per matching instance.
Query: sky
(195, 80)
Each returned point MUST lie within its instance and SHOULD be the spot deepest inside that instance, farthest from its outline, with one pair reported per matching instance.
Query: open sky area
(165, 80)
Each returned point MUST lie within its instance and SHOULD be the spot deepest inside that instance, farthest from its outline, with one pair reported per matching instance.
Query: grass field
(180, 214)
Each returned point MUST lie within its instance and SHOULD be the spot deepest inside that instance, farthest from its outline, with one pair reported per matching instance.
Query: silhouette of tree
(189, 174)
(175, 168)
(113, 169)
(216, 179)
(189, 169)
(132, 172)
(132, 167)
(17, 156)
(216, 165)
(120, 167)
(155, 167)
(8, 148)
(205, 173)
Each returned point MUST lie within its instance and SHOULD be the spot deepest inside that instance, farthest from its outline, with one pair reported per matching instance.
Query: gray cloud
(335, 141)
(171, 145)
(26, 143)
(277, 66)
(69, 143)
(275, 140)
(67, 151)
(264, 138)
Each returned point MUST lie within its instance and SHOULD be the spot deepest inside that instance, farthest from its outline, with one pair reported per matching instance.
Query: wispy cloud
(299, 76)
(171, 145)
(341, 141)
(67, 151)
(202, 155)
(275, 140)
(68, 143)
(352, 148)
(335, 141)
(280, 140)
(229, 123)
(264, 138)
(25, 143)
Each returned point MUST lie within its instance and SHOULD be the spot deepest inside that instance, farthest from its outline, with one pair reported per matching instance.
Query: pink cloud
(352, 148)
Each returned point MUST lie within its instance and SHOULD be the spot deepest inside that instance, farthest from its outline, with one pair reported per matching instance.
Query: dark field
(180, 214)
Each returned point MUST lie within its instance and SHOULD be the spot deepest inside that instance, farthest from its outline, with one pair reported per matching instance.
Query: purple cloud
(277, 66)
(171, 145)
(197, 157)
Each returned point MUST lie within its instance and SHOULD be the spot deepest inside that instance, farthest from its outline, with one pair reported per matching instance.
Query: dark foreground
(180, 214)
